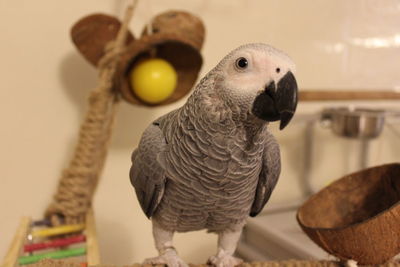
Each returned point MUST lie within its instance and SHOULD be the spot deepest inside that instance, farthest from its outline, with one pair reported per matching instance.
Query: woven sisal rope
(79, 180)
(288, 263)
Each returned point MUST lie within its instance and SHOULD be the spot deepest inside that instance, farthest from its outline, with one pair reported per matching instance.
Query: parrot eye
(241, 63)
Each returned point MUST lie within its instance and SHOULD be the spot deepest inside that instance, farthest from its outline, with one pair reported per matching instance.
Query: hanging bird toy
(69, 228)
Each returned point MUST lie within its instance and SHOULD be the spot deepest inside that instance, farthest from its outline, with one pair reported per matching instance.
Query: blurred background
(45, 81)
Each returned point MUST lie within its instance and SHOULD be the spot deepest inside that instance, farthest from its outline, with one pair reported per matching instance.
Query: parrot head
(259, 79)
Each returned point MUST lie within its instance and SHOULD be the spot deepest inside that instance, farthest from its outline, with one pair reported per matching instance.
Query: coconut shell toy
(170, 54)
(159, 68)
(357, 217)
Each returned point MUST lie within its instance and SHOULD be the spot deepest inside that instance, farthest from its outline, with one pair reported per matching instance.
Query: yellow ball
(153, 80)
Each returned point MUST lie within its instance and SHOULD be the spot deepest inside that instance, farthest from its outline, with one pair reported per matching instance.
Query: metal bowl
(360, 123)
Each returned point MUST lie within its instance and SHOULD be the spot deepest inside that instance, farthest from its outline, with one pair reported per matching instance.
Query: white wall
(44, 82)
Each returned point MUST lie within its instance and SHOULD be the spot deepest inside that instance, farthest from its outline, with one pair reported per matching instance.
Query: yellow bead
(153, 80)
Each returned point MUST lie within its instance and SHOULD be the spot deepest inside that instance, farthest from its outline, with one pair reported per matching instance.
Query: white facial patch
(264, 66)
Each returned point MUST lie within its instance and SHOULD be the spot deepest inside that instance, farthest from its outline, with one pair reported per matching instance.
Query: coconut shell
(92, 33)
(175, 36)
(357, 217)
(179, 23)
(183, 56)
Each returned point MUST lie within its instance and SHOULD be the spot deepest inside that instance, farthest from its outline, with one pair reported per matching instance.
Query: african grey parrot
(212, 163)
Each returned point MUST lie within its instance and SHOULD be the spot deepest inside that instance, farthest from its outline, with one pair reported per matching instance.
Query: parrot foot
(169, 258)
(223, 259)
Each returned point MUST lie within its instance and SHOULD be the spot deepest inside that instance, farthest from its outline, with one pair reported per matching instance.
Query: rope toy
(79, 180)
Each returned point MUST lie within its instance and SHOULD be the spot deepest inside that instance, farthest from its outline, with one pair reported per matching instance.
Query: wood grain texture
(337, 95)
(92, 243)
(15, 249)
(288, 263)
(357, 217)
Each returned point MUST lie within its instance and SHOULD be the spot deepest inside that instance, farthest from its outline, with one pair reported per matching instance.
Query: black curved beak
(277, 102)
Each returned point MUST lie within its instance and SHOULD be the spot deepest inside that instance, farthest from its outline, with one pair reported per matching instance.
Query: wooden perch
(92, 243)
(15, 248)
(336, 95)
(288, 263)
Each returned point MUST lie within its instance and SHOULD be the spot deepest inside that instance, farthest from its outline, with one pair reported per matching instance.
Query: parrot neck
(205, 105)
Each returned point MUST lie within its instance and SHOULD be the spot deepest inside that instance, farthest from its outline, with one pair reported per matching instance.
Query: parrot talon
(223, 259)
(169, 258)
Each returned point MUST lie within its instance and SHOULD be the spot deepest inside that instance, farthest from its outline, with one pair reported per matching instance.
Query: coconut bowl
(358, 216)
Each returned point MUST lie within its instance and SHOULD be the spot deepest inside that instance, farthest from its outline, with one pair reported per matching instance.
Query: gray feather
(147, 173)
(270, 171)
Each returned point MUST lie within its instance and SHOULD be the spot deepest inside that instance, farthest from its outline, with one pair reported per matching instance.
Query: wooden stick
(56, 243)
(59, 254)
(13, 253)
(286, 263)
(92, 244)
(59, 230)
(336, 95)
(44, 222)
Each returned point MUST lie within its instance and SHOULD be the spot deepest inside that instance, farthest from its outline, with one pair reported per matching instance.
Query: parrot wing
(270, 170)
(147, 173)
